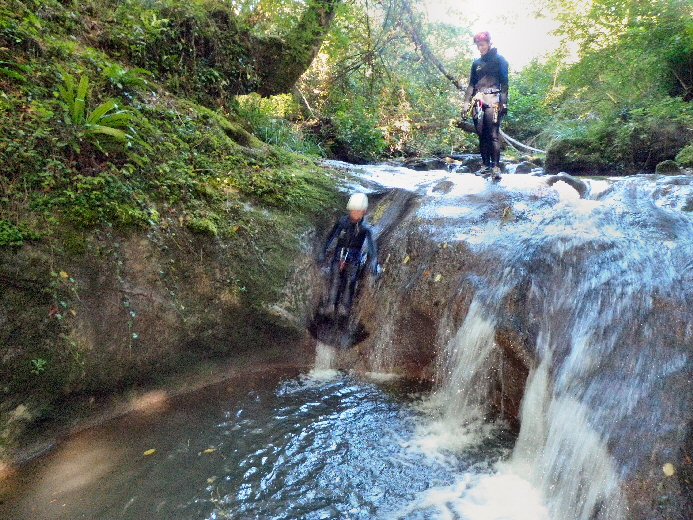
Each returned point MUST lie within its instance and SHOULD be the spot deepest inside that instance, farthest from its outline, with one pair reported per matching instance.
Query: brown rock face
(131, 308)
(598, 293)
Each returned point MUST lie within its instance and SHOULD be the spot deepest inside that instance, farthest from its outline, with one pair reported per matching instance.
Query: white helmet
(357, 202)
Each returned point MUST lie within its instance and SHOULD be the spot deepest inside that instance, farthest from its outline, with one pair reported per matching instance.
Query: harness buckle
(343, 255)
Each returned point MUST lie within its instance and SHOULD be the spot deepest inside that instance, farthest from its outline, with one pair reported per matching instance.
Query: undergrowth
(88, 139)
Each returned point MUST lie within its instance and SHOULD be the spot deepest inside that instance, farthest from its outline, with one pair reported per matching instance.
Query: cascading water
(605, 291)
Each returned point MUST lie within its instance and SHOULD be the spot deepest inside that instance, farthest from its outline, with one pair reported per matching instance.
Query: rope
(517, 144)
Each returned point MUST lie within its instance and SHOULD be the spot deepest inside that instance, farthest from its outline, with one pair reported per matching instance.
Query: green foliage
(628, 95)
(14, 71)
(107, 126)
(685, 156)
(611, 36)
(124, 80)
(531, 107)
(10, 235)
(357, 133)
(38, 366)
(194, 48)
(371, 83)
(269, 119)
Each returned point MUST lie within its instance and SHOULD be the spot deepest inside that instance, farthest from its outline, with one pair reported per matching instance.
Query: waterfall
(325, 361)
(463, 382)
(605, 299)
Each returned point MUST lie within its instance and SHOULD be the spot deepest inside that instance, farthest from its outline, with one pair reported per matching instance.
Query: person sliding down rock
(486, 98)
(348, 260)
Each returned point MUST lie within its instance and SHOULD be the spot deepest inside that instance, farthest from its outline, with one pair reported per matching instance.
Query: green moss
(10, 235)
(668, 168)
(202, 226)
(685, 156)
(73, 241)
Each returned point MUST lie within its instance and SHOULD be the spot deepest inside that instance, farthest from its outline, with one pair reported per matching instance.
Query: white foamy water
(325, 362)
(497, 496)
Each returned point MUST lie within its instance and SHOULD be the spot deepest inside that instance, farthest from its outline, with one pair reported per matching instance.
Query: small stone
(438, 278)
(669, 469)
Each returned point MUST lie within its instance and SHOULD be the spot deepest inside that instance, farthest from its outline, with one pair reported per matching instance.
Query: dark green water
(277, 444)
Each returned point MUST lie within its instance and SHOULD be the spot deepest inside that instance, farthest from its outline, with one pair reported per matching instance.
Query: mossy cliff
(142, 226)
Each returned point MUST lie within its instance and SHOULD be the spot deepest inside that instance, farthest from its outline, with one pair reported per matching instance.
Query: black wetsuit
(490, 77)
(348, 260)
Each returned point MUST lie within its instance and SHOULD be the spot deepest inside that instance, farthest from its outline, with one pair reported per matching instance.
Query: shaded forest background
(620, 87)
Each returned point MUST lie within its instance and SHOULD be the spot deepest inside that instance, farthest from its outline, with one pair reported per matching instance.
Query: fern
(107, 126)
(11, 70)
(124, 79)
(79, 105)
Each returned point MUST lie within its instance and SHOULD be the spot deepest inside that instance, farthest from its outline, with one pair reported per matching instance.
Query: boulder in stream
(525, 167)
(425, 164)
(573, 182)
(668, 168)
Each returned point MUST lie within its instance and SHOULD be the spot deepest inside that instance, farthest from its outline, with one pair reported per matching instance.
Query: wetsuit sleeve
(330, 238)
(470, 88)
(503, 80)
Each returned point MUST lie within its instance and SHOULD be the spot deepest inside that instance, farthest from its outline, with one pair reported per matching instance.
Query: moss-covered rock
(685, 156)
(668, 168)
(120, 264)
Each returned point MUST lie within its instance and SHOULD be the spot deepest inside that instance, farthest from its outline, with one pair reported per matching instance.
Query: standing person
(351, 232)
(487, 96)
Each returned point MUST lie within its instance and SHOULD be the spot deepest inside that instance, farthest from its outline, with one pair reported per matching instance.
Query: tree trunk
(280, 63)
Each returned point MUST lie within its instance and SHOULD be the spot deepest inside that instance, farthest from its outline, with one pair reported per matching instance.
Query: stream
(280, 444)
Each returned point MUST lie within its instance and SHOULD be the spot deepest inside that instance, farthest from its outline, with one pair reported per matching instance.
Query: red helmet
(483, 36)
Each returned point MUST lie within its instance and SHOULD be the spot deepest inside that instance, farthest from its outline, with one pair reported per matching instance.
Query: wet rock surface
(559, 274)
(130, 309)
(424, 163)
(525, 167)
